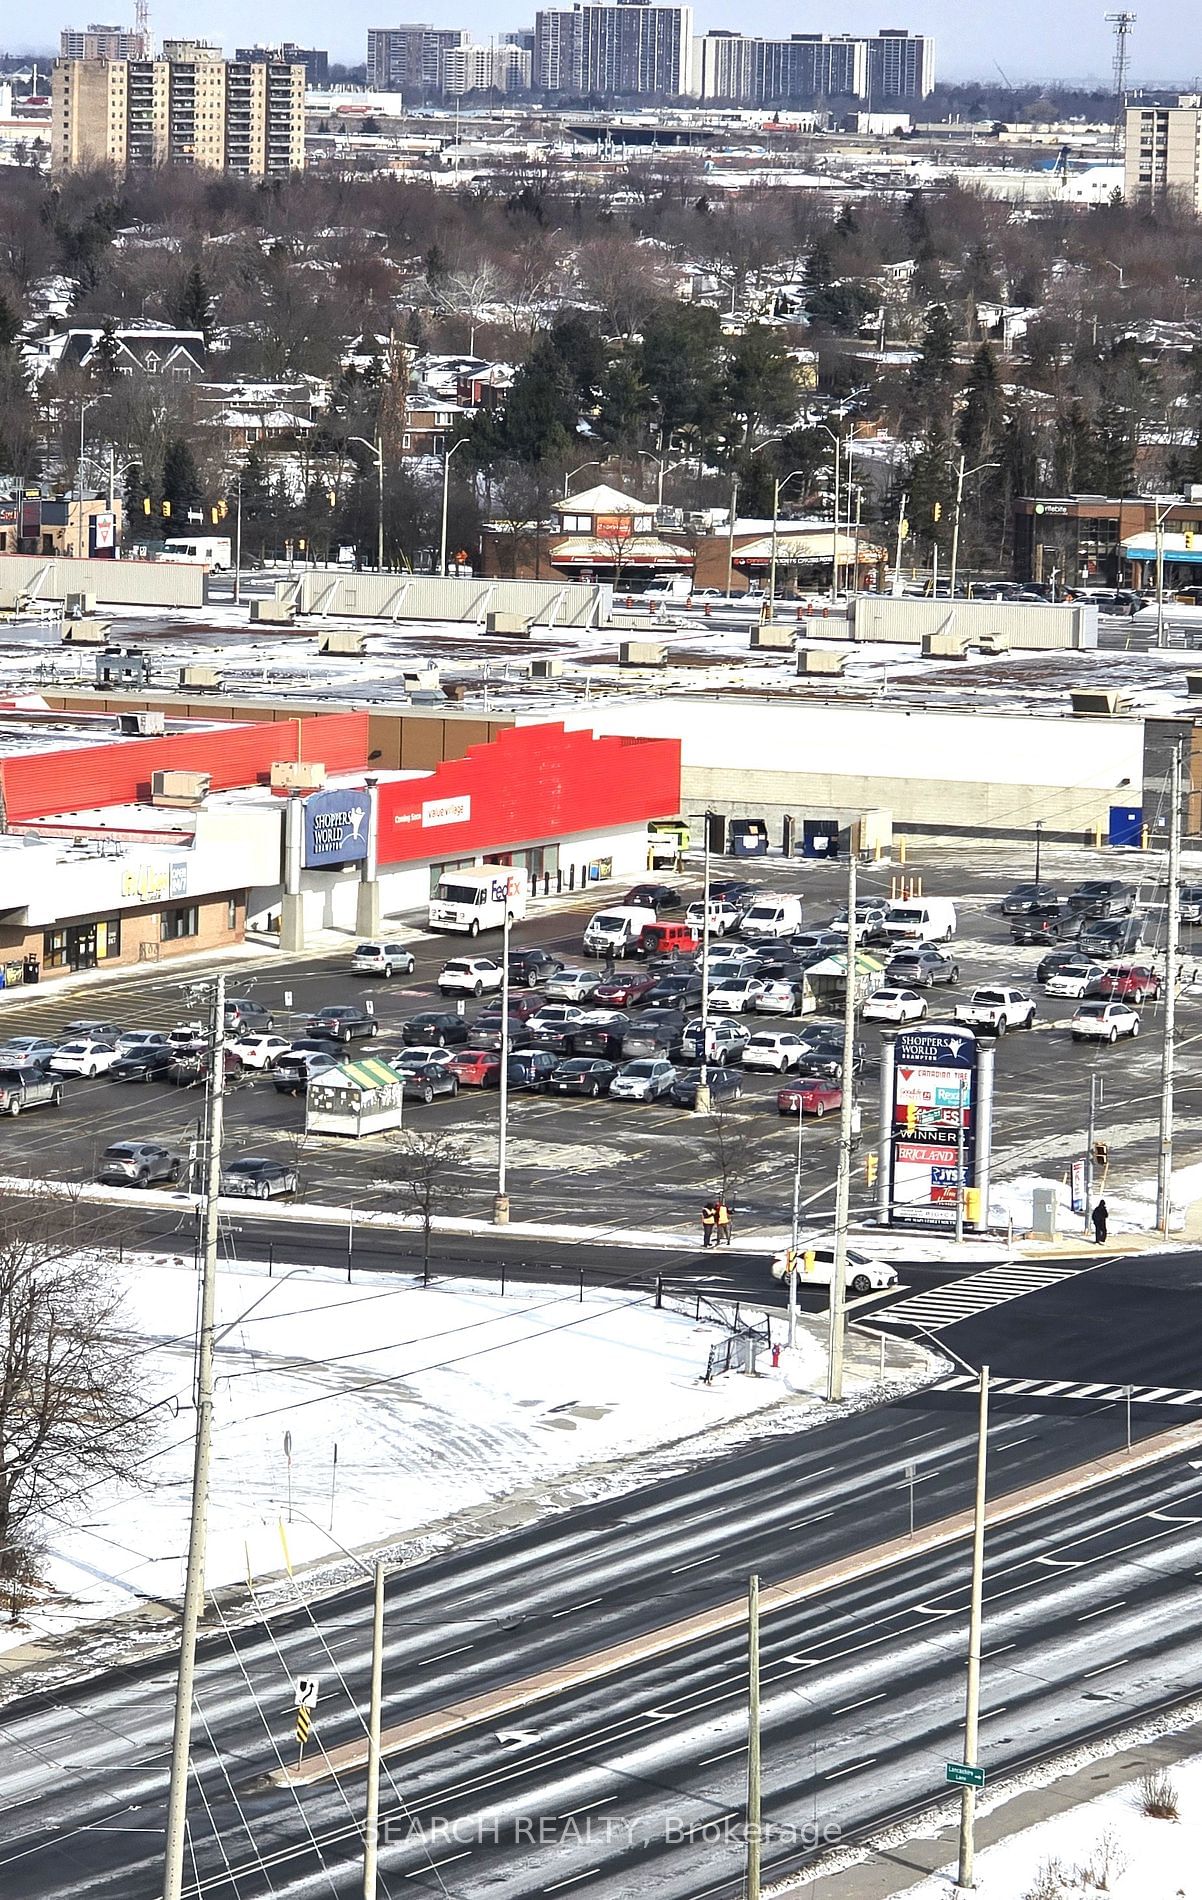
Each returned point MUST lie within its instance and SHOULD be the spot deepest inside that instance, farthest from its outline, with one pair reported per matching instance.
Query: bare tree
(72, 1408)
(729, 1150)
(429, 1165)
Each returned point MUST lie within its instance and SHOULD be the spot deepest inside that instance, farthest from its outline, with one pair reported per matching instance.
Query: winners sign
(936, 1102)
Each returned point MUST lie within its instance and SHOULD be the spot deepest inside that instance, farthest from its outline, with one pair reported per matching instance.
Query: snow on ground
(402, 1407)
(1131, 1212)
(1107, 1846)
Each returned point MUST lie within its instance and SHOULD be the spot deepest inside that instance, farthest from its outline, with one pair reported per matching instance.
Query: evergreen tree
(181, 482)
(932, 384)
(1076, 458)
(760, 386)
(192, 305)
(103, 363)
(10, 326)
(981, 418)
(680, 362)
(931, 487)
(625, 405)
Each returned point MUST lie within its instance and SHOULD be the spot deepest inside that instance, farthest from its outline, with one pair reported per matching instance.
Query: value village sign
(936, 1126)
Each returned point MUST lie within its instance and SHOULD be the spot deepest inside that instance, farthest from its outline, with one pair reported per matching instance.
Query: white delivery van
(476, 897)
(614, 933)
(771, 916)
(922, 920)
(213, 551)
(679, 588)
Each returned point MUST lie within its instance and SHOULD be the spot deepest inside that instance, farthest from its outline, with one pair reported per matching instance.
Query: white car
(734, 994)
(142, 1039)
(642, 1081)
(83, 1057)
(260, 1052)
(816, 1267)
(556, 1016)
(894, 1006)
(1104, 1022)
(469, 976)
(777, 1050)
(728, 959)
(870, 921)
(778, 997)
(1075, 980)
(419, 1056)
(382, 959)
(723, 917)
(571, 986)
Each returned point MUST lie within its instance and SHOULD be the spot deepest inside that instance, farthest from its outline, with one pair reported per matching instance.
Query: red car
(477, 1068)
(619, 992)
(1131, 983)
(812, 1097)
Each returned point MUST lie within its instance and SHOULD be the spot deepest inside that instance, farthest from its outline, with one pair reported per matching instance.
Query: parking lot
(634, 1164)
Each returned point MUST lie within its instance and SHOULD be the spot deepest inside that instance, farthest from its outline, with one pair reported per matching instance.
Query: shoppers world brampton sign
(336, 826)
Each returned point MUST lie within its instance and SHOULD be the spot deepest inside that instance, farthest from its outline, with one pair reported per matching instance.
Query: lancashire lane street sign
(962, 1776)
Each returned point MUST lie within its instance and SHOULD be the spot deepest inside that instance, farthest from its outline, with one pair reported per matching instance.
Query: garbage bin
(33, 969)
(820, 838)
(748, 838)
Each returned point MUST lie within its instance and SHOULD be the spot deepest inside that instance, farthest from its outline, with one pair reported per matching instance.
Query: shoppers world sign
(336, 827)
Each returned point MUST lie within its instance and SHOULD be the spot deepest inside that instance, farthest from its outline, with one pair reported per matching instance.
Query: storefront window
(181, 922)
(108, 938)
(231, 914)
(54, 950)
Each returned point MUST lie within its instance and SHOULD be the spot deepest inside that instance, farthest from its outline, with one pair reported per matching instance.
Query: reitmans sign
(336, 825)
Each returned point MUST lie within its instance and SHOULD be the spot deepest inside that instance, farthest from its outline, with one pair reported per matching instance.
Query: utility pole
(1097, 1094)
(795, 1235)
(902, 529)
(194, 1587)
(703, 1084)
(837, 1312)
(1164, 1162)
(753, 1738)
(500, 1206)
(972, 1696)
(960, 1163)
(379, 504)
(238, 548)
(730, 533)
(371, 1816)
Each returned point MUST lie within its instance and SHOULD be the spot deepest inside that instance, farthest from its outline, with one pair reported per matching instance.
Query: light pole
(1119, 269)
(703, 1080)
(238, 547)
(448, 451)
(377, 449)
(90, 402)
(662, 465)
(1038, 843)
(500, 1205)
(730, 532)
(572, 473)
(1162, 514)
(837, 440)
(778, 488)
(961, 474)
(1164, 1163)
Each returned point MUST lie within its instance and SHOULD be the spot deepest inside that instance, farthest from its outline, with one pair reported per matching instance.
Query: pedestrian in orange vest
(722, 1223)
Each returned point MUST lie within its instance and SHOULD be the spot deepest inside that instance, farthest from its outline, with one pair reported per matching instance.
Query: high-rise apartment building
(628, 50)
(102, 42)
(240, 116)
(901, 65)
(1163, 158)
(724, 67)
(808, 66)
(410, 58)
(314, 59)
(494, 67)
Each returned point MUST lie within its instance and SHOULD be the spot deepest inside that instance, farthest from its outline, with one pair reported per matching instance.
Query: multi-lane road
(1086, 1628)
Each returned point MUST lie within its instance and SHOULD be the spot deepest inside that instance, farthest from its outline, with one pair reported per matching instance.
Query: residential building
(314, 59)
(627, 50)
(409, 58)
(901, 65)
(807, 66)
(102, 42)
(725, 67)
(473, 67)
(1164, 154)
(137, 349)
(810, 66)
(207, 113)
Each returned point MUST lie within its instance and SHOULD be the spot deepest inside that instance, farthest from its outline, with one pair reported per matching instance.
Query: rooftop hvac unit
(199, 679)
(546, 669)
(183, 791)
(1098, 704)
(145, 724)
(299, 775)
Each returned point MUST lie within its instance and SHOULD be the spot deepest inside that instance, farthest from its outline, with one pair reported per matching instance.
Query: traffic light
(1189, 538)
(903, 528)
(166, 510)
(1100, 1154)
(937, 511)
(808, 1260)
(215, 513)
(146, 504)
(870, 1169)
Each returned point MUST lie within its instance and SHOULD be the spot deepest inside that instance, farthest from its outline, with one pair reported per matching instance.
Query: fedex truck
(477, 897)
(212, 551)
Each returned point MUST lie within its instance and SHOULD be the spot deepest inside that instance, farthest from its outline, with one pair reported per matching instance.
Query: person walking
(709, 1219)
(1100, 1216)
(722, 1222)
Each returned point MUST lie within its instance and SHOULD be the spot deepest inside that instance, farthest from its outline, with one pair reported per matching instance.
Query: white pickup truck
(996, 1010)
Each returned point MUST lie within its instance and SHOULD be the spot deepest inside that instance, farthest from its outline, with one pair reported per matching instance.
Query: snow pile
(351, 1415)
(1131, 1212)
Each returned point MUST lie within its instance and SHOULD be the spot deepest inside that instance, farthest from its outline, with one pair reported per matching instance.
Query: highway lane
(469, 1623)
(862, 1705)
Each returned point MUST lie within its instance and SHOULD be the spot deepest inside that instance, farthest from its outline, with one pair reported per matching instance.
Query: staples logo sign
(446, 811)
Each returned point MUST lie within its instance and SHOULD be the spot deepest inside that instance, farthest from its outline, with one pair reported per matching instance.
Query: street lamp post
(778, 488)
(662, 466)
(377, 449)
(90, 402)
(447, 453)
(837, 440)
(572, 473)
(1162, 514)
(961, 473)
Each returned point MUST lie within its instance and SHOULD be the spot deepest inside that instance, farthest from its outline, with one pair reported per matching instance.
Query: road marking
(1061, 1563)
(432, 1864)
(947, 1305)
(838, 1773)
(925, 1609)
(999, 1651)
(803, 1521)
(725, 1756)
(443, 1654)
(1169, 1517)
(572, 1879)
(811, 1662)
(1104, 1668)
(1089, 1615)
(677, 1568)
(588, 1806)
(659, 1715)
(1074, 1389)
(572, 1609)
(861, 1704)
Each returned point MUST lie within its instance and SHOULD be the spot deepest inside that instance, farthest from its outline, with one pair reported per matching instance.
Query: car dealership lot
(631, 1163)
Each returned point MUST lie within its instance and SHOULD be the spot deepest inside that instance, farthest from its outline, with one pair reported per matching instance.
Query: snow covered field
(402, 1407)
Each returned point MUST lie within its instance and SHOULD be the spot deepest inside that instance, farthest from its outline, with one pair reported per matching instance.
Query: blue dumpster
(748, 838)
(820, 838)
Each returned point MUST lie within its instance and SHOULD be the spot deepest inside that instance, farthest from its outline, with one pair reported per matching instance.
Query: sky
(1022, 39)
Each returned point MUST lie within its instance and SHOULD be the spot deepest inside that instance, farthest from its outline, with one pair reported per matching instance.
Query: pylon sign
(936, 1109)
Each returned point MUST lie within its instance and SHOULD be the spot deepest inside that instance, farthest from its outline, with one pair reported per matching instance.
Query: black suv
(657, 897)
(1024, 897)
(532, 967)
(1102, 897)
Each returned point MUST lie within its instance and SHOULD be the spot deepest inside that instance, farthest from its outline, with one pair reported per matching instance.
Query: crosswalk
(1075, 1389)
(942, 1306)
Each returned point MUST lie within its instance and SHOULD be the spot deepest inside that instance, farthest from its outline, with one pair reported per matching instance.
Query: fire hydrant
(775, 1357)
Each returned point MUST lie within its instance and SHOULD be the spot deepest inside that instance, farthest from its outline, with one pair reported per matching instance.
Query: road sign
(1078, 1187)
(304, 1724)
(305, 1689)
(962, 1776)
(935, 1123)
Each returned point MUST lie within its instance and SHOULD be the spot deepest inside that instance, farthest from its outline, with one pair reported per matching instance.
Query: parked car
(723, 1085)
(141, 1065)
(823, 943)
(96, 1029)
(657, 897)
(653, 1033)
(189, 1067)
(779, 995)
(996, 1009)
(776, 1050)
(477, 1068)
(582, 1075)
(1023, 896)
(435, 1025)
(724, 916)
(83, 1057)
(624, 988)
(343, 1022)
(571, 986)
(770, 915)
(726, 1042)
(736, 890)
(141, 1039)
(1076, 979)
(530, 968)
(668, 940)
(1104, 1022)
(294, 1072)
(383, 959)
(922, 967)
(816, 1096)
(24, 1085)
(1130, 982)
(1115, 937)
(469, 976)
(431, 1079)
(600, 1039)
(260, 1052)
(487, 1031)
(1055, 960)
(39, 1050)
(531, 1068)
(188, 1036)
(419, 1057)
(1045, 923)
(138, 1163)
(258, 1177)
(555, 1016)
(892, 1005)
(735, 994)
(870, 922)
(1102, 897)
(682, 990)
(244, 1012)
(1189, 903)
(642, 1081)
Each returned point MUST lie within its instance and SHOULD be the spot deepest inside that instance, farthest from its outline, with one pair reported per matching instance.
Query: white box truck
(211, 551)
(475, 897)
